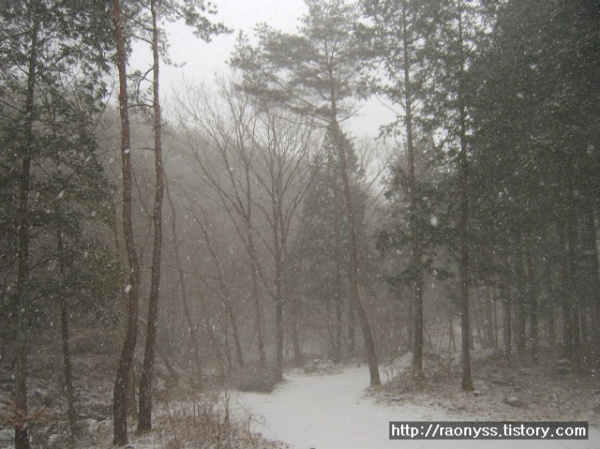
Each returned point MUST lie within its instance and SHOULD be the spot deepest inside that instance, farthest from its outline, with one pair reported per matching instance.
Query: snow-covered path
(332, 412)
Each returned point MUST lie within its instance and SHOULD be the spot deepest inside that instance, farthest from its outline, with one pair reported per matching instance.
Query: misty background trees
(249, 219)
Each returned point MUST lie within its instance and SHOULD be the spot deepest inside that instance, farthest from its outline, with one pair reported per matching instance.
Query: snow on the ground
(332, 411)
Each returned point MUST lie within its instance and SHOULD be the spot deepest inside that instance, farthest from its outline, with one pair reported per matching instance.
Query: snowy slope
(332, 412)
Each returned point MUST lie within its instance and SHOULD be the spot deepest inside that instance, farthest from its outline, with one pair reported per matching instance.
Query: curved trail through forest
(334, 411)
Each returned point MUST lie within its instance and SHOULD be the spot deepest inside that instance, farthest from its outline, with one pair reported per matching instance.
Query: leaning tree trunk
(126, 358)
(145, 417)
(353, 251)
(236, 335)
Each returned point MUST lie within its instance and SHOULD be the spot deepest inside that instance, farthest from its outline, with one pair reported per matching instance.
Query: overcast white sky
(202, 61)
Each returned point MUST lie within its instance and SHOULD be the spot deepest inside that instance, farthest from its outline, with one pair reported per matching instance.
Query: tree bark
(258, 327)
(415, 231)
(279, 248)
(279, 339)
(145, 400)
(23, 271)
(67, 366)
(68, 369)
(571, 241)
(568, 325)
(464, 269)
(120, 437)
(375, 379)
(236, 336)
(337, 347)
(533, 304)
(521, 318)
(507, 301)
(298, 357)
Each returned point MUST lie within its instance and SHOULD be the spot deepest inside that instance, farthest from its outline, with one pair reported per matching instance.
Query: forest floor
(322, 406)
(335, 409)
(550, 389)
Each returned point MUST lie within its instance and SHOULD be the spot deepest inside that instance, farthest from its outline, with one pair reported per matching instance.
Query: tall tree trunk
(351, 329)
(298, 357)
(464, 269)
(533, 306)
(279, 253)
(521, 321)
(415, 228)
(279, 339)
(491, 319)
(592, 272)
(227, 348)
(236, 336)
(22, 306)
(254, 267)
(572, 240)
(353, 251)
(467, 383)
(67, 366)
(258, 327)
(126, 359)
(337, 356)
(132, 409)
(533, 303)
(507, 301)
(145, 404)
(568, 325)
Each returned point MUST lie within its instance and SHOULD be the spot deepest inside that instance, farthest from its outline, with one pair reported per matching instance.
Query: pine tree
(316, 72)
(399, 31)
(41, 78)
(534, 119)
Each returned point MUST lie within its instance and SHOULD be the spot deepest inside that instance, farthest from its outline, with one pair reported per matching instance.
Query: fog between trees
(284, 237)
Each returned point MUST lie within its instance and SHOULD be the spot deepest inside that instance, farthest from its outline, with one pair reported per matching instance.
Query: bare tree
(256, 163)
(223, 286)
(226, 140)
(282, 172)
(197, 379)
